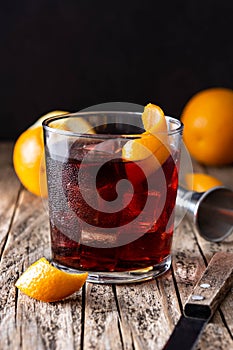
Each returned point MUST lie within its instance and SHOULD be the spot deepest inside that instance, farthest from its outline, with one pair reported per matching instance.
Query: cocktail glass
(110, 216)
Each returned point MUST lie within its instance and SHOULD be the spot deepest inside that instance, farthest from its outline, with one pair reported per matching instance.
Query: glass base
(132, 276)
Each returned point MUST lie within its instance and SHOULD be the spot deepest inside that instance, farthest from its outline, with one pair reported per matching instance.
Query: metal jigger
(211, 212)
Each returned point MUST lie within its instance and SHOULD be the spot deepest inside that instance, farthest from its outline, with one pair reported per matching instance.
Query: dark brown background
(73, 54)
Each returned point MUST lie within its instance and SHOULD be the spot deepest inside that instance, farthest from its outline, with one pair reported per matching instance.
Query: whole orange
(28, 157)
(208, 126)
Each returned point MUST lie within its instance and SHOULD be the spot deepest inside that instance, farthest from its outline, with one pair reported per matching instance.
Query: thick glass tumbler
(110, 214)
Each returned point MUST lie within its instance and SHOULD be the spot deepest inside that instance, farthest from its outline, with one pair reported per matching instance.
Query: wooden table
(134, 316)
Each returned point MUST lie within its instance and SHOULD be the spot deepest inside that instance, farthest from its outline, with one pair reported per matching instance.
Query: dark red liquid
(137, 231)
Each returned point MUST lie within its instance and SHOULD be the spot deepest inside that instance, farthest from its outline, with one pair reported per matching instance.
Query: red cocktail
(108, 215)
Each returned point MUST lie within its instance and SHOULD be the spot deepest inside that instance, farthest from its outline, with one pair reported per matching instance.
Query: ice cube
(99, 238)
(112, 146)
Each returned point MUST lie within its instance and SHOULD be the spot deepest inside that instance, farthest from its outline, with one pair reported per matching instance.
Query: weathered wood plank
(34, 324)
(129, 317)
(6, 153)
(146, 312)
(215, 336)
(209, 248)
(189, 257)
(227, 310)
(50, 325)
(9, 189)
(15, 259)
(188, 263)
(225, 174)
(101, 329)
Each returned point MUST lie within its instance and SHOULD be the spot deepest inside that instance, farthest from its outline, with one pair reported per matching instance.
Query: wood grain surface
(128, 317)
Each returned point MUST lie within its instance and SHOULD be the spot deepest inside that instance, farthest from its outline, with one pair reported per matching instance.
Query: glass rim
(47, 121)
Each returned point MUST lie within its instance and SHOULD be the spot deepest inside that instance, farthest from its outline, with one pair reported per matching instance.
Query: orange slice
(153, 119)
(201, 182)
(153, 142)
(43, 281)
(74, 124)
